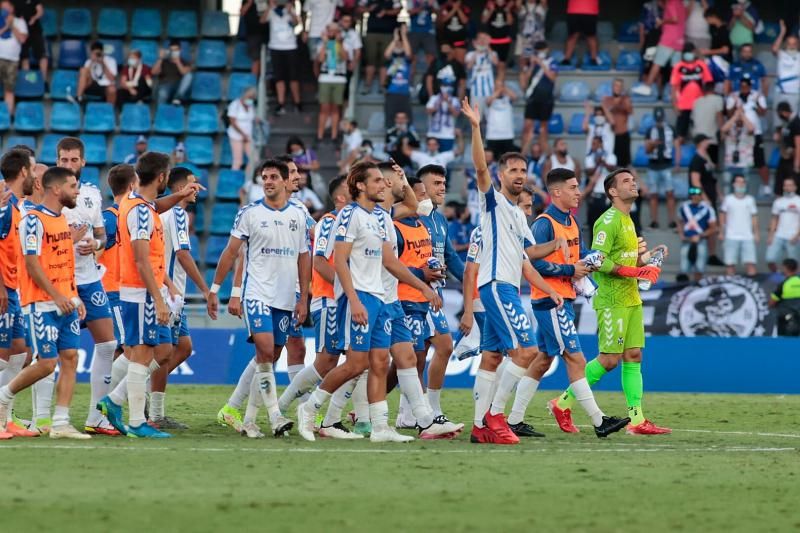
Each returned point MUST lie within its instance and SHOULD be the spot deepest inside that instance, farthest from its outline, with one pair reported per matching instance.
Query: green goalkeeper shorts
(620, 328)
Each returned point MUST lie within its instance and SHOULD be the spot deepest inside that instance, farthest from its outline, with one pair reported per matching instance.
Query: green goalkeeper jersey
(615, 235)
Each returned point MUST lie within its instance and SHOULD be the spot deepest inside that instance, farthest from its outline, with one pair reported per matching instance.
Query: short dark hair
(12, 164)
(96, 45)
(558, 175)
(688, 47)
(784, 106)
(174, 42)
(120, 178)
(294, 139)
(55, 176)
(178, 175)
(150, 165)
(334, 184)
(431, 169)
(790, 264)
(712, 12)
(610, 181)
(276, 163)
(358, 174)
(510, 156)
(413, 180)
(67, 144)
(25, 148)
(285, 158)
(386, 166)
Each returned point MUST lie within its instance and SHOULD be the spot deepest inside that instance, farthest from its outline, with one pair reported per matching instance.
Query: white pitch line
(716, 432)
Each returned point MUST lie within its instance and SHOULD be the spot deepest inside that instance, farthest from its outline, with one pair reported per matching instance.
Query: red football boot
(481, 435)
(497, 424)
(646, 428)
(19, 431)
(563, 417)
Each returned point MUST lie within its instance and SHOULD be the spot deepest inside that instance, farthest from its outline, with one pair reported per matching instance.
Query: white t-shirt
(442, 123)
(739, 217)
(788, 70)
(274, 240)
(750, 106)
(352, 42)
(306, 195)
(500, 120)
(569, 164)
(605, 131)
(591, 162)
(253, 191)
(367, 233)
(352, 141)
(787, 209)
(323, 246)
(696, 25)
(98, 73)
(506, 235)
(420, 159)
(88, 210)
(176, 237)
(321, 12)
(281, 32)
(244, 117)
(11, 48)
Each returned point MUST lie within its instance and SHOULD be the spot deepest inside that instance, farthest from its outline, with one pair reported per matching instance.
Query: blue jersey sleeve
(543, 232)
(110, 222)
(6, 218)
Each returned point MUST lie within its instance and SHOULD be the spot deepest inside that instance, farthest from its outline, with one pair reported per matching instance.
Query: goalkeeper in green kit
(620, 324)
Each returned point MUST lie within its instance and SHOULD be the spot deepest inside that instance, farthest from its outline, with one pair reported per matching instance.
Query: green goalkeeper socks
(594, 371)
(633, 388)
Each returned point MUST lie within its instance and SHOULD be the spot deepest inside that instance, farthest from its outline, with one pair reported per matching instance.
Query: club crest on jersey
(359, 339)
(88, 202)
(257, 322)
(293, 225)
(600, 239)
(142, 234)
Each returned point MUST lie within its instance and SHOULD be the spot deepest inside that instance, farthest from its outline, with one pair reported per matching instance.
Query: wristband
(236, 292)
(214, 289)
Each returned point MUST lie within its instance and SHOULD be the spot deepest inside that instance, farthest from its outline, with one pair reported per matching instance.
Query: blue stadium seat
(29, 117)
(558, 56)
(646, 123)
(47, 154)
(640, 159)
(225, 155)
(48, 47)
(135, 118)
(203, 119)
(640, 99)
(191, 288)
(49, 23)
(629, 61)
(121, 146)
(241, 61)
(194, 242)
(574, 91)
(99, 118)
(214, 247)
(575, 124)
(687, 153)
(216, 24)
(161, 143)
(628, 32)
(207, 87)
(146, 23)
(25, 140)
(604, 59)
(225, 290)
(114, 48)
(212, 54)
(555, 126)
(71, 53)
(65, 117)
(222, 215)
(63, 83)
(91, 175)
(112, 22)
(238, 82)
(200, 219)
(5, 118)
(770, 33)
(200, 150)
(29, 84)
(228, 184)
(148, 48)
(182, 24)
(603, 90)
(76, 22)
(95, 145)
(774, 158)
(169, 119)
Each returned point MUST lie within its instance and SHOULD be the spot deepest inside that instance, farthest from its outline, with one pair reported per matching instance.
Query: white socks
(302, 382)
(526, 388)
(293, 370)
(137, 387)
(338, 401)
(379, 414)
(408, 379)
(14, 367)
(61, 416)
(433, 400)
(583, 393)
(100, 377)
(317, 398)
(360, 402)
(42, 396)
(157, 405)
(266, 383)
(254, 401)
(119, 369)
(243, 385)
(508, 380)
(482, 392)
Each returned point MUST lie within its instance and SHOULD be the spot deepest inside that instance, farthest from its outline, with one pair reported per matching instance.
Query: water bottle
(655, 260)
(435, 264)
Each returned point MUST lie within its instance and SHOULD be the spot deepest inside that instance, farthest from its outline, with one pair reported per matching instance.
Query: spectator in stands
(252, 190)
(432, 155)
(13, 34)
(422, 34)
(35, 45)
(701, 170)
(743, 23)
(400, 137)
(459, 227)
(332, 60)
(707, 118)
(381, 27)
(174, 75)
(351, 144)
(447, 71)
(754, 106)
(536, 163)
(309, 198)
(136, 81)
(255, 30)
(283, 53)
(620, 108)
(788, 69)
(560, 158)
(305, 159)
(321, 13)
(241, 116)
(749, 67)
(532, 15)
(670, 44)
(453, 21)
(481, 63)
(582, 21)
(687, 80)
(788, 135)
(597, 122)
(498, 21)
(739, 135)
(398, 60)
(698, 227)
(658, 144)
(98, 76)
(697, 26)
(783, 239)
(139, 149)
(179, 154)
(738, 220)
(353, 46)
(443, 109)
(650, 21)
(540, 86)
(718, 53)
(500, 119)
(599, 162)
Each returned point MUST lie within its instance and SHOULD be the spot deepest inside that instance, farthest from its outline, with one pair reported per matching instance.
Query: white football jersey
(366, 232)
(87, 211)
(389, 281)
(274, 239)
(505, 234)
(176, 238)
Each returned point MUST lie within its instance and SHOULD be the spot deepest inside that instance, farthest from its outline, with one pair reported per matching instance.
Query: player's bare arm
(304, 275)
(473, 114)
(324, 269)
(226, 262)
(534, 278)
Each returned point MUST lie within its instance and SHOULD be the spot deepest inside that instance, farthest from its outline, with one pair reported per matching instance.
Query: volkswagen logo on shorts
(284, 324)
(75, 327)
(99, 298)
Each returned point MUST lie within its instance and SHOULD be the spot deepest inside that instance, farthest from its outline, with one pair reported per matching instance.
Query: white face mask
(425, 207)
(599, 120)
(541, 55)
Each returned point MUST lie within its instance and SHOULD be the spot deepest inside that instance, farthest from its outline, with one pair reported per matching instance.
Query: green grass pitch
(732, 464)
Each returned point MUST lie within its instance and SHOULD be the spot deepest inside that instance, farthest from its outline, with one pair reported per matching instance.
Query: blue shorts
(437, 323)
(506, 326)
(116, 316)
(395, 321)
(95, 299)
(12, 323)
(261, 318)
(361, 338)
(140, 325)
(295, 329)
(181, 329)
(326, 328)
(52, 333)
(417, 323)
(556, 332)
